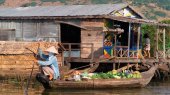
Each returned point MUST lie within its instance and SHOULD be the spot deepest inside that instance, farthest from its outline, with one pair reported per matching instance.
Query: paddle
(28, 81)
(125, 67)
(72, 70)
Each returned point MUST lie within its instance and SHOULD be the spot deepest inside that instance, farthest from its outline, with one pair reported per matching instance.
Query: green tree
(167, 33)
(159, 13)
(150, 29)
(29, 4)
(100, 1)
(62, 1)
(2, 1)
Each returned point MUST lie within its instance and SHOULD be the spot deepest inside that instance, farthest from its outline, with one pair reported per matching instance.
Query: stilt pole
(129, 40)
(164, 43)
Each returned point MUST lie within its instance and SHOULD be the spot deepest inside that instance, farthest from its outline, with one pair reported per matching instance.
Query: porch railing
(122, 52)
(79, 50)
(161, 53)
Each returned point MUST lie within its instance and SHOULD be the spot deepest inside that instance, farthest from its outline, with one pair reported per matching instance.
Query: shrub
(100, 1)
(150, 29)
(2, 1)
(153, 17)
(159, 13)
(167, 33)
(62, 1)
(29, 4)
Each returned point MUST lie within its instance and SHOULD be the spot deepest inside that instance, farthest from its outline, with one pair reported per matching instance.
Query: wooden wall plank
(95, 36)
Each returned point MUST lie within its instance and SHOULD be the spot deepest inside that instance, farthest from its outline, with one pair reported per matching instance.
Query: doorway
(70, 34)
(71, 39)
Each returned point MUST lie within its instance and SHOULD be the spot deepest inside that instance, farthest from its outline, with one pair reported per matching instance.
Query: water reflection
(154, 88)
(15, 89)
(128, 91)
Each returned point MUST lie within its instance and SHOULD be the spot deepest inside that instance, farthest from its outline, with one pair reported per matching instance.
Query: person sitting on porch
(147, 46)
(50, 65)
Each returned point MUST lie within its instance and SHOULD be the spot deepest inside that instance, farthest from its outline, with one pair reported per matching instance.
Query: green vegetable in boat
(114, 72)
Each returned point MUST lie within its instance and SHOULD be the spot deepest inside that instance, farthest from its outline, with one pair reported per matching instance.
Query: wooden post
(164, 43)
(115, 45)
(114, 66)
(69, 50)
(92, 52)
(62, 56)
(138, 40)
(22, 28)
(157, 42)
(59, 32)
(129, 39)
(81, 45)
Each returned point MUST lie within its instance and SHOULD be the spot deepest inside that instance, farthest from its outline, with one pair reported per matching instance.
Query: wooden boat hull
(108, 83)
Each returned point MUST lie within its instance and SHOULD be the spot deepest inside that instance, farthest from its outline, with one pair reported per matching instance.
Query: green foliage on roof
(29, 4)
(100, 1)
(62, 1)
(161, 3)
(2, 1)
(159, 13)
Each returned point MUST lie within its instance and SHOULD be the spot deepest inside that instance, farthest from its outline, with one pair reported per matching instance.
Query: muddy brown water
(154, 88)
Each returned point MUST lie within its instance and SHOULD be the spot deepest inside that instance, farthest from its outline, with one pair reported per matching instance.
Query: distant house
(83, 29)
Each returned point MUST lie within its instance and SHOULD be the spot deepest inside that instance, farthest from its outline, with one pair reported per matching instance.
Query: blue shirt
(51, 61)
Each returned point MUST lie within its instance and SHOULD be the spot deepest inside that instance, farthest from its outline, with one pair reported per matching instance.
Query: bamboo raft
(107, 83)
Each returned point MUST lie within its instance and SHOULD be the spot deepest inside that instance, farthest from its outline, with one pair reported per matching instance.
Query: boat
(88, 68)
(107, 83)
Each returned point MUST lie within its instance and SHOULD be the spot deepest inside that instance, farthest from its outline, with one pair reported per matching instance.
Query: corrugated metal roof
(64, 10)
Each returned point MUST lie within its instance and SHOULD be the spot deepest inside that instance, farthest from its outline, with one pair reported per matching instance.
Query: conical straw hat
(52, 49)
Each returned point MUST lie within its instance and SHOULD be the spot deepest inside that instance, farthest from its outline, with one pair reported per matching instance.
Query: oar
(72, 70)
(35, 55)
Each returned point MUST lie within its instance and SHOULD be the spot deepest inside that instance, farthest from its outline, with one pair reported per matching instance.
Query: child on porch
(147, 46)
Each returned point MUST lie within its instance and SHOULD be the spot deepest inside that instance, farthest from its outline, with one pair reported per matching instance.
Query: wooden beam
(129, 38)
(69, 51)
(157, 42)
(92, 52)
(7, 29)
(164, 43)
(138, 40)
(117, 60)
(72, 24)
(115, 44)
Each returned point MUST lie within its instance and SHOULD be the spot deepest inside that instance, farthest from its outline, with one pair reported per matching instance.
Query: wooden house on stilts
(89, 33)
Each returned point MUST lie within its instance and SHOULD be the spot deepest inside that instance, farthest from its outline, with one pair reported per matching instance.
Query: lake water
(154, 88)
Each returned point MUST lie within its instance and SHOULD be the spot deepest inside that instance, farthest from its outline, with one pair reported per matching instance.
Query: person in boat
(49, 64)
(147, 46)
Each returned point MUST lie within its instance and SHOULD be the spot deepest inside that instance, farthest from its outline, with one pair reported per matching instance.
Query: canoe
(107, 83)
(87, 68)
(64, 72)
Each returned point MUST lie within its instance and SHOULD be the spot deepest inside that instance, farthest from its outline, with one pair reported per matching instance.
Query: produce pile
(126, 74)
(117, 75)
